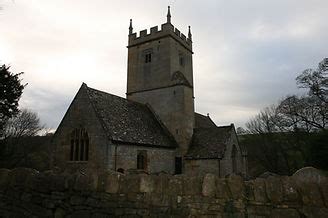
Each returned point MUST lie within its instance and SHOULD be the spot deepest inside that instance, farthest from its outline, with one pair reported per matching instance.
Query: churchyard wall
(29, 193)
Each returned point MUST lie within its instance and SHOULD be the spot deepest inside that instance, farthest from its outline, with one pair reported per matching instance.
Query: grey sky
(246, 53)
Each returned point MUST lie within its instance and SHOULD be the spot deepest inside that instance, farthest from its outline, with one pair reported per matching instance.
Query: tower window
(181, 60)
(148, 58)
(79, 148)
(142, 160)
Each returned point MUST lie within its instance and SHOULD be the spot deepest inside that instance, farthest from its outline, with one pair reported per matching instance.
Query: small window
(142, 160)
(79, 146)
(178, 165)
(148, 58)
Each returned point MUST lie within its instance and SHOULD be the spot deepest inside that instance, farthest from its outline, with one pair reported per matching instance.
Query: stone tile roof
(209, 143)
(202, 121)
(128, 121)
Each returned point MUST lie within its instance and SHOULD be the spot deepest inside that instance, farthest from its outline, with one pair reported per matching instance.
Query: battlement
(167, 29)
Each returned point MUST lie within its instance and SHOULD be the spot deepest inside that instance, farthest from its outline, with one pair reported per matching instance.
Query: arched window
(79, 145)
(142, 160)
(234, 159)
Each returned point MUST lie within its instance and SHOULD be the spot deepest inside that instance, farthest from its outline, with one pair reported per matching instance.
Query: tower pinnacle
(130, 27)
(168, 15)
(189, 33)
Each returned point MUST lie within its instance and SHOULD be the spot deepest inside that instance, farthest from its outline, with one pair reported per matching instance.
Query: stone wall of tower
(166, 46)
(175, 108)
(151, 83)
(144, 76)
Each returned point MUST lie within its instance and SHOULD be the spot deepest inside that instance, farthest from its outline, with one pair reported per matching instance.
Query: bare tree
(270, 134)
(306, 112)
(241, 131)
(267, 121)
(26, 123)
(309, 112)
(280, 133)
(316, 81)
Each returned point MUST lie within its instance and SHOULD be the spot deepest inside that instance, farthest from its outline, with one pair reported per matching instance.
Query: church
(155, 128)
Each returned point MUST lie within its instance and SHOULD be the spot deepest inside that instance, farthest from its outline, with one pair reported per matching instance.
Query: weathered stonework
(154, 83)
(28, 193)
(81, 114)
(158, 160)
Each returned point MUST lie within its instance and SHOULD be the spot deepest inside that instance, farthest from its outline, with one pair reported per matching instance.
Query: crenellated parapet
(167, 29)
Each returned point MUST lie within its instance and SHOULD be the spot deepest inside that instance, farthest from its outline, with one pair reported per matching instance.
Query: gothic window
(233, 158)
(142, 160)
(148, 58)
(79, 149)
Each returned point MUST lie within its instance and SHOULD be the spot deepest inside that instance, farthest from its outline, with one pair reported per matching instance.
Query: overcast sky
(246, 53)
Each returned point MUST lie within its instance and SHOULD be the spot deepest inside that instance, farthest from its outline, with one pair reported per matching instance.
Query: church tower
(160, 74)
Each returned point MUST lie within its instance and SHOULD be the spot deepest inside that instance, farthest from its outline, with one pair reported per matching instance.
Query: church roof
(127, 121)
(209, 143)
(202, 121)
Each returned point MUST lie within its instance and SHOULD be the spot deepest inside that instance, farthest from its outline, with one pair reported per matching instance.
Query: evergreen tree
(11, 90)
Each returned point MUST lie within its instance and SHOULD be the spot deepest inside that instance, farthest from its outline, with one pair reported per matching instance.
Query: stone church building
(155, 128)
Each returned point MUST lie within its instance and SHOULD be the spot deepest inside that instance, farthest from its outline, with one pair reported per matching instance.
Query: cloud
(246, 53)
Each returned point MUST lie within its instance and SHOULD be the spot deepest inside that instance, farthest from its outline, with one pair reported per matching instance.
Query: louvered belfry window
(79, 145)
(148, 58)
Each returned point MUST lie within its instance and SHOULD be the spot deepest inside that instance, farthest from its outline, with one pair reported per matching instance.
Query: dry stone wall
(28, 193)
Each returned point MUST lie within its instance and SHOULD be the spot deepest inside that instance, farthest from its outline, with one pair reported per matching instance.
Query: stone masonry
(165, 81)
(28, 193)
